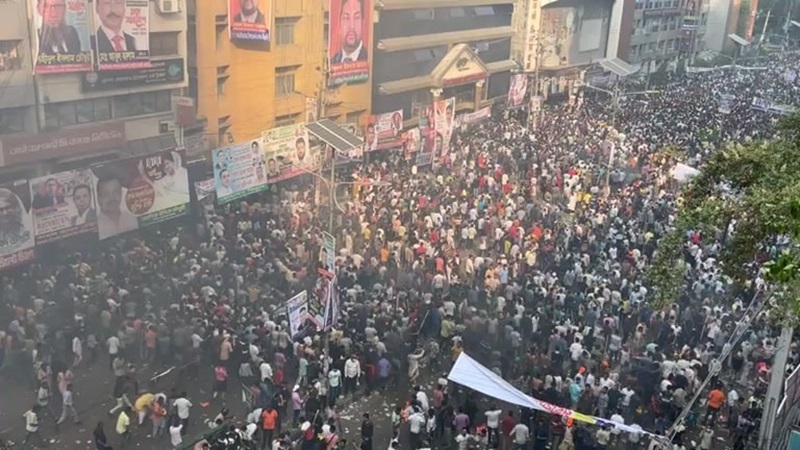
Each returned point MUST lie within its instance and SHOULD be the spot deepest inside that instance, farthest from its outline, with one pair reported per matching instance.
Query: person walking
(100, 439)
(32, 428)
(68, 406)
(123, 427)
(159, 417)
(269, 423)
(183, 405)
(367, 432)
(298, 403)
(175, 431)
(220, 381)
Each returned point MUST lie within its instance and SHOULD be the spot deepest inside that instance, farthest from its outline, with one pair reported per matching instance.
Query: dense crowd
(526, 248)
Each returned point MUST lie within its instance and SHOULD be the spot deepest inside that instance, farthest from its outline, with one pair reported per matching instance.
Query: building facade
(658, 32)
(244, 88)
(62, 110)
(425, 51)
(723, 19)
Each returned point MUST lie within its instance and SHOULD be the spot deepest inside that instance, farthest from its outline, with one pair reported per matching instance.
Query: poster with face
(250, 20)
(16, 224)
(122, 37)
(63, 205)
(239, 170)
(288, 153)
(62, 39)
(349, 41)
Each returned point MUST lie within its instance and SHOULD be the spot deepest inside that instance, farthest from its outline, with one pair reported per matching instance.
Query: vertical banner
(327, 255)
(427, 134)
(332, 308)
(249, 21)
(204, 189)
(444, 123)
(62, 41)
(16, 224)
(410, 143)
(297, 312)
(517, 90)
(311, 109)
(63, 205)
(349, 41)
(287, 152)
(383, 131)
(122, 38)
(141, 191)
(239, 170)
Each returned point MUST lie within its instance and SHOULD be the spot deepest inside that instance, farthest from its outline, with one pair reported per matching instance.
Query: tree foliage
(753, 190)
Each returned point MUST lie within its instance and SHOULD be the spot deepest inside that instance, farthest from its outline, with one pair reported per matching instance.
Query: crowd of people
(525, 248)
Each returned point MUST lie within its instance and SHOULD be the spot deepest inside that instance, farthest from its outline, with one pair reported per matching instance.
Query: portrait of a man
(55, 35)
(113, 218)
(224, 189)
(249, 12)
(49, 195)
(301, 153)
(397, 123)
(12, 223)
(82, 199)
(370, 137)
(351, 33)
(110, 36)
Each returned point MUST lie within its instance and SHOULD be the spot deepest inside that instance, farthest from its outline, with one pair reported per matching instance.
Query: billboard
(444, 124)
(427, 134)
(288, 153)
(383, 131)
(517, 89)
(467, 119)
(62, 41)
(239, 170)
(137, 192)
(311, 109)
(122, 37)
(164, 71)
(63, 205)
(349, 41)
(16, 224)
(250, 20)
(297, 312)
(327, 255)
(410, 143)
(574, 34)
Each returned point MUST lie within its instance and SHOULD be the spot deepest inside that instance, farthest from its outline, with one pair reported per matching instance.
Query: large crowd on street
(525, 247)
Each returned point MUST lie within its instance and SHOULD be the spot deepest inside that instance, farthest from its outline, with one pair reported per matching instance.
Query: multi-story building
(723, 20)
(658, 32)
(243, 88)
(60, 109)
(429, 50)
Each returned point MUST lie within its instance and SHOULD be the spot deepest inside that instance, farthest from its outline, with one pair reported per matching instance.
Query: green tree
(753, 189)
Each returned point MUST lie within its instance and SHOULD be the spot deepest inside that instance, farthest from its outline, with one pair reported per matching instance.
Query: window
(288, 119)
(284, 30)
(457, 12)
(423, 14)
(164, 44)
(220, 36)
(221, 86)
(484, 11)
(10, 58)
(352, 117)
(58, 115)
(12, 120)
(284, 80)
(142, 103)
(326, 31)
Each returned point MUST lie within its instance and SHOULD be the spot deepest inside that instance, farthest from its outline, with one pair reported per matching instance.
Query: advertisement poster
(444, 124)
(122, 37)
(204, 189)
(427, 134)
(239, 170)
(137, 192)
(62, 42)
(63, 205)
(383, 131)
(349, 41)
(287, 152)
(311, 109)
(517, 90)
(465, 120)
(332, 308)
(297, 312)
(16, 224)
(410, 143)
(250, 20)
(327, 255)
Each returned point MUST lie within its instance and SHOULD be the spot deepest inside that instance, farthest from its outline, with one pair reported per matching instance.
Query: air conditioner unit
(169, 6)
(166, 126)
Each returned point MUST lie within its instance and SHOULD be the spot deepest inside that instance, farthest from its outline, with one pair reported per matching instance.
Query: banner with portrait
(297, 312)
(16, 224)
(517, 90)
(122, 36)
(250, 20)
(239, 170)
(288, 153)
(444, 124)
(62, 39)
(427, 135)
(383, 131)
(311, 109)
(138, 192)
(349, 41)
(332, 310)
(63, 205)
(410, 143)
(327, 255)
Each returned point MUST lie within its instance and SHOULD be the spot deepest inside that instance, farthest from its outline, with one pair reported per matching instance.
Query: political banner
(62, 41)
(239, 170)
(311, 109)
(297, 312)
(444, 124)
(327, 255)
(769, 106)
(287, 152)
(383, 131)
(16, 224)
(349, 41)
(517, 90)
(63, 205)
(319, 301)
(726, 103)
(204, 189)
(465, 120)
(122, 38)
(410, 143)
(427, 135)
(138, 192)
(251, 20)
(332, 306)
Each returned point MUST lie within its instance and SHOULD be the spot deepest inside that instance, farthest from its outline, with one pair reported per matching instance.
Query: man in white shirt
(113, 218)
(266, 371)
(416, 422)
(183, 405)
(352, 372)
(421, 397)
(493, 423)
(113, 349)
(335, 383)
(520, 434)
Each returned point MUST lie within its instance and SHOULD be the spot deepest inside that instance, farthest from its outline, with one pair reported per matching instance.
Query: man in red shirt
(269, 423)
(507, 426)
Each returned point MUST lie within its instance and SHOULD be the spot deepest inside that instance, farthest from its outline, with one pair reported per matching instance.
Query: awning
(334, 135)
(501, 66)
(388, 5)
(432, 40)
(406, 84)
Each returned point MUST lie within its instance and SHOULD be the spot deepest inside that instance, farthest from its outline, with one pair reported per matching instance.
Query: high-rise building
(247, 78)
(658, 32)
(87, 81)
(425, 51)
